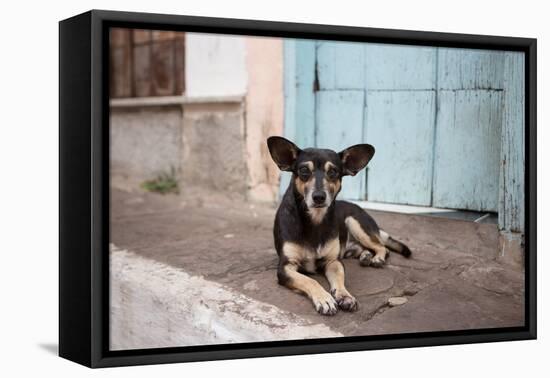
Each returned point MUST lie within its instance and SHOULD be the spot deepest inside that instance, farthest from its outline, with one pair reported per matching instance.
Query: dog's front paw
(325, 304)
(345, 300)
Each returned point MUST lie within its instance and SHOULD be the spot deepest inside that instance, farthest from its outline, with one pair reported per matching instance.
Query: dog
(313, 231)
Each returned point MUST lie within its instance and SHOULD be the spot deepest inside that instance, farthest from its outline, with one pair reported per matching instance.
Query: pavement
(173, 257)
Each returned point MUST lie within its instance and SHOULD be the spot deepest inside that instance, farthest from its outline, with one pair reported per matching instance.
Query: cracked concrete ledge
(154, 305)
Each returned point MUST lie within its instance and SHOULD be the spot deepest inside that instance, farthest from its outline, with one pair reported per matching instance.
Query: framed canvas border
(84, 188)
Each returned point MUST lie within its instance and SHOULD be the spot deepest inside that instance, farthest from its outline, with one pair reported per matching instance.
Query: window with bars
(146, 63)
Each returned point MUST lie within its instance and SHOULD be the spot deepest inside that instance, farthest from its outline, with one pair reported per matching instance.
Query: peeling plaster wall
(264, 113)
(221, 66)
(213, 147)
(215, 65)
(233, 102)
(145, 142)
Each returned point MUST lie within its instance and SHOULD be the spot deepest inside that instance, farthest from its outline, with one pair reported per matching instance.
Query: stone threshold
(472, 216)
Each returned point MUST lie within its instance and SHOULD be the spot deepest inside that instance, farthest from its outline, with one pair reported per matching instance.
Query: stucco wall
(145, 141)
(221, 66)
(264, 113)
(213, 147)
(215, 65)
(233, 102)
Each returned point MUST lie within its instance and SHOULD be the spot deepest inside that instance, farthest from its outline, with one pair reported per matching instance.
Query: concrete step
(154, 305)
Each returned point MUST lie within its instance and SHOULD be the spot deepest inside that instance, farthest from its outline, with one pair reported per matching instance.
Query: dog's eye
(332, 173)
(304, 172)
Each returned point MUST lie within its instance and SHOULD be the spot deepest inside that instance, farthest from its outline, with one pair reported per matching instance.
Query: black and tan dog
(313, 231)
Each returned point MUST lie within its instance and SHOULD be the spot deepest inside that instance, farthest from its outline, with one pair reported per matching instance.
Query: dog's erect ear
(283, 152)
(355, 158)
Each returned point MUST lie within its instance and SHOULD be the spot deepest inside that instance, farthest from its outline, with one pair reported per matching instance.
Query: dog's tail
(395, 245)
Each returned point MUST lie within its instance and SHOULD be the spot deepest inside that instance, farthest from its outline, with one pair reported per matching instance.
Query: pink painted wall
(264, 113)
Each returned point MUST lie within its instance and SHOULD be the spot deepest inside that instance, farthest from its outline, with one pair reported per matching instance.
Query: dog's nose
(319, 197)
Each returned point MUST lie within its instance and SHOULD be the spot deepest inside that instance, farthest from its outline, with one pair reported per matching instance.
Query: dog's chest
(309, 258)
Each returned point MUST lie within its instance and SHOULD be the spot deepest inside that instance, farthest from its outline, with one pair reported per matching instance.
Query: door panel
(399, 67)
(299, 62)
(467, 150)
(511, 210)
(341, 65)
(400, 125)
(340, 125)
(470, 69)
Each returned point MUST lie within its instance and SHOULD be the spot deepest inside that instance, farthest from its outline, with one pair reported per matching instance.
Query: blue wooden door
(468, 130)
(340, 102)
(433, 115)
(400, 108)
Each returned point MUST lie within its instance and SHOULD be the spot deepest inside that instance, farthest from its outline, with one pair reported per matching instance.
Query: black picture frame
(84, 188)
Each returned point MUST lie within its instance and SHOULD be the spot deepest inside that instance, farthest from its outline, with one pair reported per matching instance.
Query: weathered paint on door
(468, 129)
(400, 126)
(335, 108)
(441, 119)
(511, 210)
(340, 103)
(467, 150)
(299, 63)
(400, 108)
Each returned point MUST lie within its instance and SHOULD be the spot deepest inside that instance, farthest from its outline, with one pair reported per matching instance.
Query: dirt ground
(453, 281)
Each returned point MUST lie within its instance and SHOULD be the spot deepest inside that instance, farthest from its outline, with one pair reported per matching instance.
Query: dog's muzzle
(319, 198)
